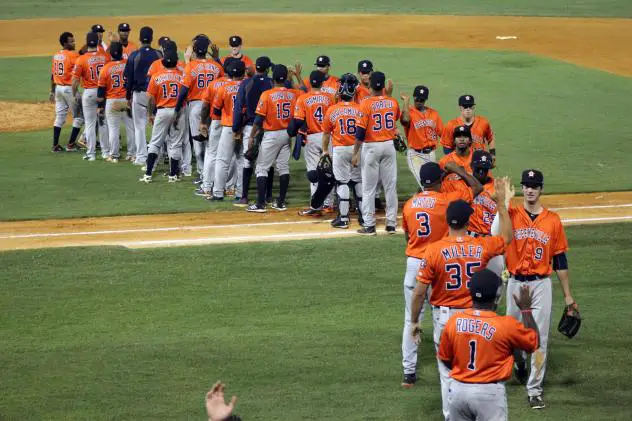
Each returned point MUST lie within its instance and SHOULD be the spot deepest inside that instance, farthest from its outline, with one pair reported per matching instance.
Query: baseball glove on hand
(570, 322)
(400, 144)
(252, 153)
(325, 166)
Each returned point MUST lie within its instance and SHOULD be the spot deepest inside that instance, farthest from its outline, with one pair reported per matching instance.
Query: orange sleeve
(218, 102)
(78, 69)
(561, 242)
(426, 272)
(152, 88)
(493, 245)
(299, 109)
(438, 125)
(210, 94)
(103, 82)
(52, 66)
(520, 337)
(364, 120)
(405, 212)
(187, 76)
(446, 137)
(262, 105)
(446, 349)
(489, 133)
(398, 111)
(327, 121)
(466, 194)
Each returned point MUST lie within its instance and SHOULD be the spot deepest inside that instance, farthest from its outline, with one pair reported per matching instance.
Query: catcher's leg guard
(325, 185)
(342, 190)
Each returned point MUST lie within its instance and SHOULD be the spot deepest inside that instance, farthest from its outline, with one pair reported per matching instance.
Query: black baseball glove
(325, 166)
(400, 144)
(252, 153)
(570, 322)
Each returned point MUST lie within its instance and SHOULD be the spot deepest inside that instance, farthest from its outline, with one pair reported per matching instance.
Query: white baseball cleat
(173, 179)
(145, 179)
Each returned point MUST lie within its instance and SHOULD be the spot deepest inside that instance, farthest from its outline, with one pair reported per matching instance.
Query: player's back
(341, 121)
(481, 344)
(199, 74)
(112, 78)
(484, 210)
(311, 108)
(276, 106)
(381, 114)
(165, 87)
(88, 67)
(63, 64)
(225, 101)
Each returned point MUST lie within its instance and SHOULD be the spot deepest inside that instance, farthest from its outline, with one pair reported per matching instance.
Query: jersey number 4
(456, 274)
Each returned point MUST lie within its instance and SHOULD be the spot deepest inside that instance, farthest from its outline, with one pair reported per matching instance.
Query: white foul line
(625, 205)
(610, 218)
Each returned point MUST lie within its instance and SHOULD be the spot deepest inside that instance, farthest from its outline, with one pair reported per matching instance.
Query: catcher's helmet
(348, 85)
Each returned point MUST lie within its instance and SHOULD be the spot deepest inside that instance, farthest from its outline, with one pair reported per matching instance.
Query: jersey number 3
(424, 224)
(455, 272)
(170, 90)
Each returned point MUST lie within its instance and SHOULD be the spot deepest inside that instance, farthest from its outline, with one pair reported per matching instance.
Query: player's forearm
(562, 275)
(419, 295)
(471, 181)
(357, 146)
(326, 142)
(52, 85)
(492, 144)
(506, 227)
(529, 322)
(151, 109)
(75, 86)
(256, 129)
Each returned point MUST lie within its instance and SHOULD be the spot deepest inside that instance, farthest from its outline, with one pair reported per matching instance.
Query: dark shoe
(310, 212)
(367, 231)
(278, 205)
(536, 402)
(255, 208)
(342, 223)
(390, 229)
(57, 148)
(520, 372)
(269, 200)
(409, 380)
(361, 220)
(214, 198)
(197, 181)
(201, 192)
(241, 202)
(72, 147)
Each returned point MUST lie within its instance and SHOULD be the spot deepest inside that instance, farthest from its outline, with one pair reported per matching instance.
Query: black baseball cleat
(390, 229)
(520, 372)
(197, 181)
(310, 212)
(256, 208)
(536, 402)
(215, 198)
(279, 205)
(57, 148)
(409, 380)
(341, 223)
(367, 231)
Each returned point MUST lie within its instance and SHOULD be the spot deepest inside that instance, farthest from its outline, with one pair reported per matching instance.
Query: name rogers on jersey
(522, 233)
(169, 76)
(476, 327)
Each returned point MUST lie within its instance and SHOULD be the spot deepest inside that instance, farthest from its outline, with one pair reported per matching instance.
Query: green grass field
(66, 8)
(141, 335)
(543, 112)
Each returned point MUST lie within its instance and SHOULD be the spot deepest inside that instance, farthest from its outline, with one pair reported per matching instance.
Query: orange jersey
(448, 265)
(112, 79)
(424, 220)
(276, 106)
(534, 242)
(88, 67)
(311, 108)
(157, 66)
(480, 345)
(211, 91)
(247, 61)
(341, 120)
(484, 210)
(362, 92)
(224, 100)
(453, 182)
(380, 115)
(424, 129)
(62, 67)
(482, 133)
(164, 87)
(330, 86)
(128, 49)
(198, 74)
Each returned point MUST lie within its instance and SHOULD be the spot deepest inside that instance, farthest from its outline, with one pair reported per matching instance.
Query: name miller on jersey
(456, 252)
(476, 327)
(536, 234)
(424, 123)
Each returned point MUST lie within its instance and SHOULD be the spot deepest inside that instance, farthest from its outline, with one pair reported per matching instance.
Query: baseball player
(250, 91)
(424, 222)
(61, 92)
(101, 46)
(340, 123)
(482, 133)
(310, 111)
(539, 248)
(274, 113)
(162, 91)
(198, 74)
(228, 146)
(423, 128)
(477, 347)
(462, 156)
(374, 135)
(447, 266)
(211, 126)
(86, 72)
(112, 103)
(330, 83)
(484, 206)
(236, 43)
(365, 68)
(136, 81)
(123, 36)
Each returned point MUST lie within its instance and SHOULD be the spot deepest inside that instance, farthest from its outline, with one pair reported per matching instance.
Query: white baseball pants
(476, 401)
(416, 160)
(139, 115)
(274, 148)
(65, 103)
(114, 120)
(379, 163)
(210, 155)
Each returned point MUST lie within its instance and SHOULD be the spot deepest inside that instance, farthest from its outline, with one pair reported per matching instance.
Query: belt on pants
(425, 150)
(527, 278)
(434, 307)
(163, 108)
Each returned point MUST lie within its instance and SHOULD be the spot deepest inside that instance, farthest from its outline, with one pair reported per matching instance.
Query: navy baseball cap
(171, 56)
(162, 41)
(458, 213)
(124, 27)
(97, 28)
(92, 39)
(146, 34)
(229, 63)
(235, 41)
(377, 80)
(532, 177)
(322, 61)
(461, 131)
(485, 285)
(481, 159)
(365, 66)
(116, 50)
(237, 69)
(200, 46)
(263, 63)
(430, 173)
(466, 101)
(279, 73)
(316, 78)
(421, 93)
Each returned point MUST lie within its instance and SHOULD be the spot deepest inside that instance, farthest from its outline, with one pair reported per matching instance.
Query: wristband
(525, 311)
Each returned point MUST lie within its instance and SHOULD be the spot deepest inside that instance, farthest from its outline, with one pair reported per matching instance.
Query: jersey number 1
(472, 364)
